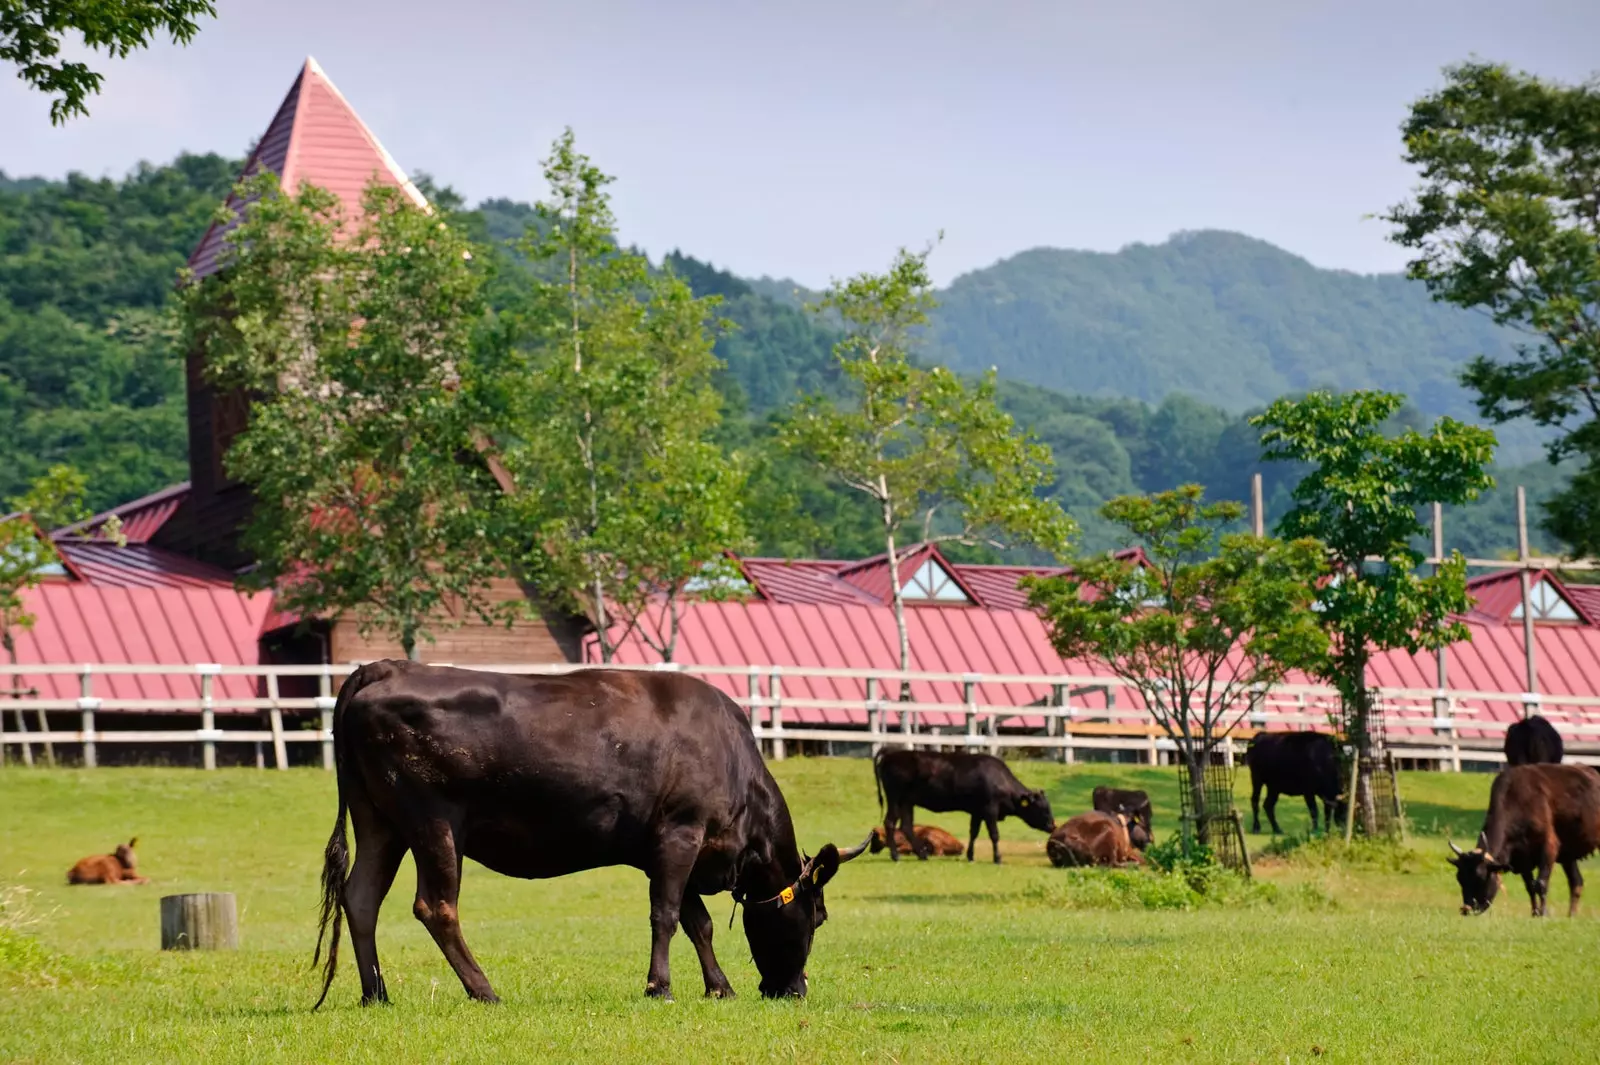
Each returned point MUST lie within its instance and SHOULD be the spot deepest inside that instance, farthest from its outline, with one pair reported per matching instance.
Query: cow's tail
(336, 858)
(877, 777)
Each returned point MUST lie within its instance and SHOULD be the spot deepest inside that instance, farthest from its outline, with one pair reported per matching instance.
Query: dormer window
(931, 583)
(1548, 605)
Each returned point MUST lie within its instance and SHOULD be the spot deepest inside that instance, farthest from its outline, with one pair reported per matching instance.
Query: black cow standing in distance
(1294, 763)
(542, 776)
(1532, 741)
(1540, 816)
(977, 784)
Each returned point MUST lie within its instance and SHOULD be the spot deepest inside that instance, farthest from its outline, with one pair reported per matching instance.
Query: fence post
(1444, 725)
(280, 754)
(208, 717)
(87, 705)
(1059, 698)
(908, 716)
(325, 704)
(775, 686)
(753, 698)
(874, 715)
(992, 727)
(969, 697)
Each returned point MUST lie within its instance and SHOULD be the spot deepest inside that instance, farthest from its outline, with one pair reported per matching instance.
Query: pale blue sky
(810, 139)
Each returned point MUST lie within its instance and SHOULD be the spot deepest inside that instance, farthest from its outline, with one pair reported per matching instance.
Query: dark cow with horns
(1539, 816)
(541, 776)
(1533, 740)
(977, 784)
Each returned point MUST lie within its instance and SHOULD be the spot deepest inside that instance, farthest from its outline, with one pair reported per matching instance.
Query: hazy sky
(809, 140)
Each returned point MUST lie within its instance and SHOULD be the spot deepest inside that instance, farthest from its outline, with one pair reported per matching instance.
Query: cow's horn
(1483, 841)
(1453, 847)
(855, 852)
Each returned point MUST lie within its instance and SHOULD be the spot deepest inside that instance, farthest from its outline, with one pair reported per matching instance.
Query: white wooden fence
(1441, 727)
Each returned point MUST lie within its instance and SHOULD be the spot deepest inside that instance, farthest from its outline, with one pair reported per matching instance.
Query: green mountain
(90, 374)
(1221, 317)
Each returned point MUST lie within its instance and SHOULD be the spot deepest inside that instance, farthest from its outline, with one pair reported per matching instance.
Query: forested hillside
(89, 374)
(1221, 317)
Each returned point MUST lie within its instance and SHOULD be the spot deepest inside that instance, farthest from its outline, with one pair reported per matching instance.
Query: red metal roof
(139, 565)
(996, 586)
(801, 581)
(1497, 596)
(80, 622)
(140, 519)
(963, 640)
(1586, 597)
(316, 138)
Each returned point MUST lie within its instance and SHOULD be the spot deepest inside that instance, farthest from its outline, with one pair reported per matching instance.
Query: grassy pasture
(1356, 960)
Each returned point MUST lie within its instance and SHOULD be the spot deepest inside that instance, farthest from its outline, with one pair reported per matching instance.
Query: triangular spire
(315, 138)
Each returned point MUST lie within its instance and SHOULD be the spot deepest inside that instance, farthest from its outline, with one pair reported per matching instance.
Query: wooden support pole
(968, 697)
(27, 748)
(280, 753)
(199, 922)
(1258, 510)
(1529, 650)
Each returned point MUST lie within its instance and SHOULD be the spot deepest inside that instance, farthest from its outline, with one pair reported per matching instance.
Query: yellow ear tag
(1024, 802)
(786, 896)
(815, 875)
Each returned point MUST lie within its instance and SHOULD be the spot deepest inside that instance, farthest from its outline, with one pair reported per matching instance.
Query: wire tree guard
(1377, 766)
(1219, 824)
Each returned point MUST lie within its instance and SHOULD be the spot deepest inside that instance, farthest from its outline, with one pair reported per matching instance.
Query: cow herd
(541, 776)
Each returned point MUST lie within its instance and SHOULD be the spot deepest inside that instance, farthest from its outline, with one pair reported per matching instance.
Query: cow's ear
(132, 841)
(820, 870)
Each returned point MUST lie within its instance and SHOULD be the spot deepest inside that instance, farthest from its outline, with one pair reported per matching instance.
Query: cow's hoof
(488, 998)
(720, 992)
(661, 991)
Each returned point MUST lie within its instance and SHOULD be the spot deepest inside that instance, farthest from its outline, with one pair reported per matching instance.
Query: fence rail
(1064, 716)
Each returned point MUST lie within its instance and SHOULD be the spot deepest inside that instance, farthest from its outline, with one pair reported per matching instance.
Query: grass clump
(24, 961)
(1329, 851)
(1170, 880)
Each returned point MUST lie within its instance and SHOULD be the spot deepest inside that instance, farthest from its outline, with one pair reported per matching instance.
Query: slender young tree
(624, 505)
(354, 339)
(1361, 498)
(1507, 221)
(1205, 620)
(936, 458)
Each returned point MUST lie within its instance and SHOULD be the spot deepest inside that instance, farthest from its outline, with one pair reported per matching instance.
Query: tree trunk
(899, 607)
(199, 922)
(1197, 795)
(1359, 725)
(408, 642)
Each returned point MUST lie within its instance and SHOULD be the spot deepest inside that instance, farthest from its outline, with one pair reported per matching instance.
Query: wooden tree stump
(199, 922)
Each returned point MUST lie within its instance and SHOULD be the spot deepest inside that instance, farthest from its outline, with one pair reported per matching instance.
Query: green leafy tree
(933, 455)
(26, 553)
(1361, 497)
(1507, 220)
(1209, 618)
(626, 504)
(354, 339)
(32, 32)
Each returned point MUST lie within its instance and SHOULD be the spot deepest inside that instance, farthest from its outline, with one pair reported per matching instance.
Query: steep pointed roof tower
(316, 138)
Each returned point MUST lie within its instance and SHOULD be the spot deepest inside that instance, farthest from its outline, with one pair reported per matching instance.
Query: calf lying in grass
(118, 867)
(931, 839)
(1092, 839)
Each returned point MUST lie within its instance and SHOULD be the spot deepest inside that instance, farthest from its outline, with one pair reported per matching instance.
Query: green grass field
(1362, 959)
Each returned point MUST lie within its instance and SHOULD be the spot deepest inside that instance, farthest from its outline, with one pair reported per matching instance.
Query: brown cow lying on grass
(1092, 839)
(931, 839)
(118, 867)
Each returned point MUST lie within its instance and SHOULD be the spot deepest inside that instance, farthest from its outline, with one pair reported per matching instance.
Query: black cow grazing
(977, 784)
(1294, 763)
(1135, 804)
(1539, 815)
(541, 776)
(1532, 741)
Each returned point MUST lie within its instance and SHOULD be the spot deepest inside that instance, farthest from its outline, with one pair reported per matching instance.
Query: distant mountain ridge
(1222, 317)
